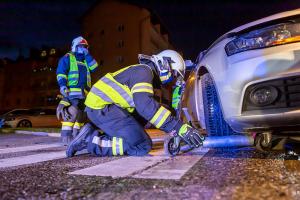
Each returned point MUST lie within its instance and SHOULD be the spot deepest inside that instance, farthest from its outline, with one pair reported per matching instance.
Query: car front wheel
(214, 120)
(24, 123)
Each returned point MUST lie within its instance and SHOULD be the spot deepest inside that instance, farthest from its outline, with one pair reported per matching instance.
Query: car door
(44, 118)
(50, 118)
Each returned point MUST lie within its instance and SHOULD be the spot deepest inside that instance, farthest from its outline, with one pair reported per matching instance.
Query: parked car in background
(248, 81)
(36, 117)
(11, 114)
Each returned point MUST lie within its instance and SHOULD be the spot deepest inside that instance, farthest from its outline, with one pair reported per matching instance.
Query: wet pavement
(242, 173)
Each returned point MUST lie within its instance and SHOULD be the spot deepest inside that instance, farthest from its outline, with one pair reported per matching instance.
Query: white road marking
(122, 167)
(38, 133)
(23, 160)
(29, 148)
(174, 168)
(156, 166)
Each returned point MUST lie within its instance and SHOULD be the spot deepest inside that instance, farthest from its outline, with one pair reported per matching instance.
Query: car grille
(288, 94)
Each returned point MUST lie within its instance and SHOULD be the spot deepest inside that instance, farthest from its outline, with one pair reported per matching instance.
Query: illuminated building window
(43, 53)
(120, 59)
(121, 28)
(52, 51)
(121, 44)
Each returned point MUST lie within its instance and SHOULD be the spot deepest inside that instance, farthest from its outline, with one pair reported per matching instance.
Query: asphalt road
(242, 173)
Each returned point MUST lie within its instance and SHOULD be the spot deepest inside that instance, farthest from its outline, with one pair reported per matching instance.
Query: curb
(38, 133)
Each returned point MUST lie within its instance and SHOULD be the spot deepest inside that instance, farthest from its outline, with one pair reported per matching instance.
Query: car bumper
(255, 67)
(10, 124)
(261, 121)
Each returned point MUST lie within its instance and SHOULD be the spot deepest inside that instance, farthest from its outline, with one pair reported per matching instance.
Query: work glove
(64, 91)
(66, 113)
(64, 103)
(191, 136)
(85, 51)
(59, 111)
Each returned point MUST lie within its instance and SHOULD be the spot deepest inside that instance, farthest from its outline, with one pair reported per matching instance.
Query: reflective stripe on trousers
(66, 126)
(116, 144)
(78, 125)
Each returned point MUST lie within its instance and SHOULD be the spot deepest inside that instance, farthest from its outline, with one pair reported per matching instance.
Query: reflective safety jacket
(131, 88)
(74, 71)
(176, 95)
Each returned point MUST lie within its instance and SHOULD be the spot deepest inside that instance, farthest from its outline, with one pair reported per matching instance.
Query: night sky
(192, 25)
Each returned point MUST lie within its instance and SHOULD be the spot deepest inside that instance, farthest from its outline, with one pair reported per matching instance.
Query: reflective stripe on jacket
(73, 75)
(107, 91)
(176, 96)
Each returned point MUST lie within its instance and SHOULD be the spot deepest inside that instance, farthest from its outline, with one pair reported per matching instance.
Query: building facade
(117, 32)
(31, 82)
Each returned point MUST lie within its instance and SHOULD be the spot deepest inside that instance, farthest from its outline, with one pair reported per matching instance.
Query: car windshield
(41, 111)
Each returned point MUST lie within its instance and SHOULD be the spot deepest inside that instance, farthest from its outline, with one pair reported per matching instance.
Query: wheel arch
(24, 119)
(204, 70)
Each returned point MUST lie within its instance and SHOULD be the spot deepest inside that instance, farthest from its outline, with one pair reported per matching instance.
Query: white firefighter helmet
(167, 63)
(78, 41)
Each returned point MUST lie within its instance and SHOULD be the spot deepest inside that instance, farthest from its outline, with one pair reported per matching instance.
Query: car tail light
(266, 37)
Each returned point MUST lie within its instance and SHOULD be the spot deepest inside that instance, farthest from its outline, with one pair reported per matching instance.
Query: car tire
(214, 120)
(24, 123)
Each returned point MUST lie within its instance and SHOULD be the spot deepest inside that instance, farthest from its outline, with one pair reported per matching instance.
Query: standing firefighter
(113, 99)
(74, 79)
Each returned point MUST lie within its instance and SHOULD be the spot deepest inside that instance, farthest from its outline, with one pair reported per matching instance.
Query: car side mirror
(189, 64)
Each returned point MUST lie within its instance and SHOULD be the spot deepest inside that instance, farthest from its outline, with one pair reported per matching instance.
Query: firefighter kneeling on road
(113, 99)
(74, 79)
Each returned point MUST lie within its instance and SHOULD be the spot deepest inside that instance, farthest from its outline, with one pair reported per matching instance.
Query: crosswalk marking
(30, 159)
(122, 167)
(28, 148)
(153, 167)
(174, 168)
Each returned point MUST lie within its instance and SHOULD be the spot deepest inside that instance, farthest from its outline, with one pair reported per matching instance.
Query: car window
(34, 111)
(18, 112)
(50, 112)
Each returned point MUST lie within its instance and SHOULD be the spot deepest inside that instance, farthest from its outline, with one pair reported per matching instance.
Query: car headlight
(266, 37)
(10, 119)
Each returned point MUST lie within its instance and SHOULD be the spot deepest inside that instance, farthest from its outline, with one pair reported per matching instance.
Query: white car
(248, 81)
(36, 117)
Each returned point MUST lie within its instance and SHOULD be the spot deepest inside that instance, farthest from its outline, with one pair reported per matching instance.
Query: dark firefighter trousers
(71, 128)
(123, 135)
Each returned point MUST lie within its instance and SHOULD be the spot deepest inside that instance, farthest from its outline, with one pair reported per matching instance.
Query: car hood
(266, 19)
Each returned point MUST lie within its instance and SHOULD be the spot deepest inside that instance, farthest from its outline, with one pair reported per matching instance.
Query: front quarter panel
(190, 100)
